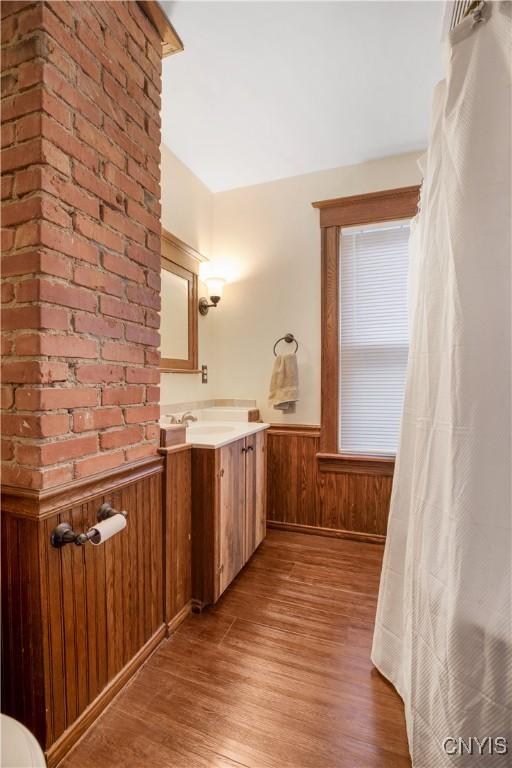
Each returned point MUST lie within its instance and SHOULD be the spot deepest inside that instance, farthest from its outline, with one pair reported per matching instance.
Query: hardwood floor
(277, 675)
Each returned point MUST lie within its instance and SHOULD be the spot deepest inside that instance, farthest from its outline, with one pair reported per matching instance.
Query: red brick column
(80, 239)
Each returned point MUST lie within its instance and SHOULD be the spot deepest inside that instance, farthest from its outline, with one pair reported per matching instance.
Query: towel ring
(289, 337)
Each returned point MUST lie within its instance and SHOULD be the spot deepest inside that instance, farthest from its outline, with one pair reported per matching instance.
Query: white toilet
(19, 749)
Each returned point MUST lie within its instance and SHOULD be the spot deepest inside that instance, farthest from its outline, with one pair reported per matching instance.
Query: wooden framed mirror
(178, 327)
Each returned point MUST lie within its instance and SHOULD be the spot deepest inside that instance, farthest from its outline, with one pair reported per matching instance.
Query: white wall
(271, 234)
(268, 236)
(186, 204)
(187, 213)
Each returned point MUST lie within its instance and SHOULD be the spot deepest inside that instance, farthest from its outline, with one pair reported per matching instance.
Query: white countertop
(215, 434)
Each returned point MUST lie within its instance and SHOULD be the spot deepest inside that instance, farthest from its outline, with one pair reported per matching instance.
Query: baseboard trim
(335, 533)
(70, 738)
(180, 617)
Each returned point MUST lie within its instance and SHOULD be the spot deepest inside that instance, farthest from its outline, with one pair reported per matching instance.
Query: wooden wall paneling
(50, 655)
(110, 639)
(108, 642)
(55, 635)
(125, 501)
(304, 494)
(333, 503)
(77, 621)
(129, 555)
(178, 534)
(10, 628)
(21, 624)
(155, 559)
(122, 577)
(66, 588)
(292, 494)
(31, 607)
(79, 521)
(141, 582)
(281, 503)
(96, 628)
(358, 503)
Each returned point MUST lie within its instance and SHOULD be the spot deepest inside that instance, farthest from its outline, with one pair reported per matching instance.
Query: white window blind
(374, 336)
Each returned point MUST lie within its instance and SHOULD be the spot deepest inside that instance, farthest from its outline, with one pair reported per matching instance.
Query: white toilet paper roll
(108, 528)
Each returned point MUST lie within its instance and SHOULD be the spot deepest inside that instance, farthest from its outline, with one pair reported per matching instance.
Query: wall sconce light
(215, 287)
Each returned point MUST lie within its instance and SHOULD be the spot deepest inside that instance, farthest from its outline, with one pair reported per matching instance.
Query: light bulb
(215, 286)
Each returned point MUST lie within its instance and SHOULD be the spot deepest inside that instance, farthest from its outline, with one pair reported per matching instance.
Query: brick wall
(80, 239)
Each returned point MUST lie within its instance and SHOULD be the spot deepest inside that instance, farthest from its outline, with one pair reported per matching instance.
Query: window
(364, 328)
(373, 336)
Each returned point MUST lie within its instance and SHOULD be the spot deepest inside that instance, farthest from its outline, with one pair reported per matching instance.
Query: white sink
(207, 430)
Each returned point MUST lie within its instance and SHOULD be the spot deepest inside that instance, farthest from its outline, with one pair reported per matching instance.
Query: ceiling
(267, 90)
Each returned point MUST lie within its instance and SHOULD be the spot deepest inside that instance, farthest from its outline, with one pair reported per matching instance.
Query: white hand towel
(284, 383)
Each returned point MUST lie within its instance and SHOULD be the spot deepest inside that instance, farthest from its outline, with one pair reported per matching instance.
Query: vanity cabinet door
(255, 492)
(231, 521)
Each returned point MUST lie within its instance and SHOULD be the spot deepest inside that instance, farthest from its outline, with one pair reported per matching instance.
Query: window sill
(356, 465)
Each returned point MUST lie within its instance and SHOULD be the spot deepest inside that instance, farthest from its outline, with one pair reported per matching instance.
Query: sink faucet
(184, 419)
(187, 417)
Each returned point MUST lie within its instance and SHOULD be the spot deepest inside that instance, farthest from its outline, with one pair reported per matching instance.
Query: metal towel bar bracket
(289, 338)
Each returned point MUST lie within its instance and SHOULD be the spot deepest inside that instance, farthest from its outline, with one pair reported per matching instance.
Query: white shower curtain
(443, 632)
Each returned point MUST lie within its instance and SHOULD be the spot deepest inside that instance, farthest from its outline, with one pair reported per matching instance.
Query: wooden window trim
(356, 465)
(371, 208)
(387, 205)
(183, 260)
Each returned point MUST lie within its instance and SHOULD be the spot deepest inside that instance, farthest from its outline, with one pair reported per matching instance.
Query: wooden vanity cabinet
(228, 513)
(255, 492)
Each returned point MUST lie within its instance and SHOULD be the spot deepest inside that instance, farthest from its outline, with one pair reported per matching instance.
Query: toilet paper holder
(64, 534)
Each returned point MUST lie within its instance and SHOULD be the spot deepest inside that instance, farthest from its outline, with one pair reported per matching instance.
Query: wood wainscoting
(78, 621)
(178, 533)
(317, 493)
